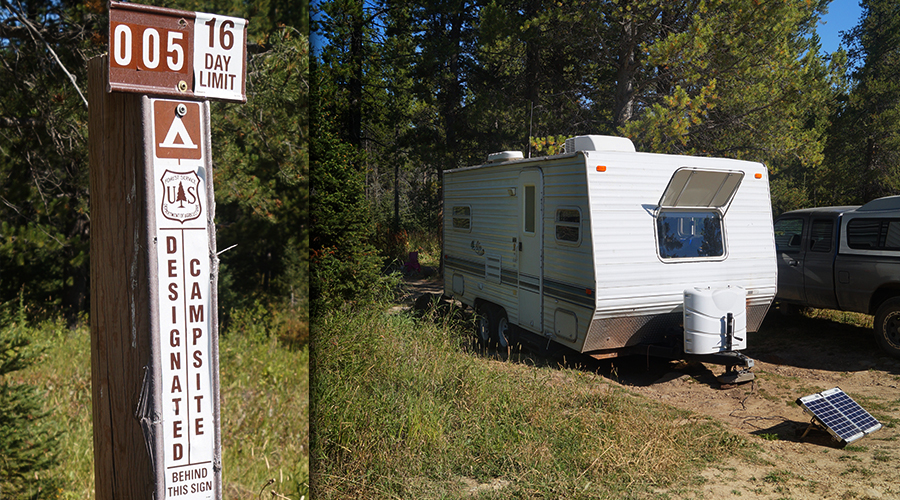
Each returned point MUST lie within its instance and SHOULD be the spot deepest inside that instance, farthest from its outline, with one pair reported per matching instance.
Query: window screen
(689, 234)
(568, 225)
(462, 218)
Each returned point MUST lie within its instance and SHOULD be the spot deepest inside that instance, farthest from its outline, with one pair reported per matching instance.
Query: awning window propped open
(692, 187)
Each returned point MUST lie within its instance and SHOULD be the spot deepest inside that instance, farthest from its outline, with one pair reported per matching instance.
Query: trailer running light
(588, 291)
(601, 168)
(758, 176)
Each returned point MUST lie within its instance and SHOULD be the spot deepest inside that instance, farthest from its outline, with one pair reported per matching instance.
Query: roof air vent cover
(599, 143)
(504, 156)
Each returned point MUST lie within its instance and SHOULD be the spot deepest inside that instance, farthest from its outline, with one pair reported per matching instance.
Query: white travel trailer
(608, 251)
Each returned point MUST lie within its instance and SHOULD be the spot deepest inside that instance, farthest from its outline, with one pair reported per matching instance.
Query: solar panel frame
(843, 417)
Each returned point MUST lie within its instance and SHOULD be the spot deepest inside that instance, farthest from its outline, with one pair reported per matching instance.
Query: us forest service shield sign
(181, 196)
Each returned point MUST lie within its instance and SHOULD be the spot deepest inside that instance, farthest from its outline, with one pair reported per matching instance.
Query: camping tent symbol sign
(177, 135)
(181, 196)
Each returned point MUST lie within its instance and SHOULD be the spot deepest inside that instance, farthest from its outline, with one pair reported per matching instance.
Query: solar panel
(840, 414)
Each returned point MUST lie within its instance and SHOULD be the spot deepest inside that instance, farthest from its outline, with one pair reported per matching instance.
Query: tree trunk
(624, 103)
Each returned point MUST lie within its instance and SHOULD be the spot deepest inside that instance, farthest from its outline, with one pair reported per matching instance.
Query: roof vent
(599, 143)
(504, 156)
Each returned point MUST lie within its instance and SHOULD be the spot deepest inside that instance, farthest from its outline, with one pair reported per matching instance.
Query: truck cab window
(686, 234)
(787, 235)
(821, 234)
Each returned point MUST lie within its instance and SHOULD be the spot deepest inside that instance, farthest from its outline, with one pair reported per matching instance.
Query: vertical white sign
(219, 56)
(183, 267)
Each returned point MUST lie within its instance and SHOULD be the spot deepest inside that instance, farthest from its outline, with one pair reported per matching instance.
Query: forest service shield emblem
(181, 196)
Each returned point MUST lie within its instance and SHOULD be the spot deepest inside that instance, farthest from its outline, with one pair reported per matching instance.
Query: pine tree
(345, 266)
(864, 146)
(27, 447)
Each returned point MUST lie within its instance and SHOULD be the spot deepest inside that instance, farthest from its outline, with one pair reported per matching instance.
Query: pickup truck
(844, 258)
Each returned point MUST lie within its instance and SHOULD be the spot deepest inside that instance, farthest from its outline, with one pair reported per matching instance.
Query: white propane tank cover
(504, 156)
(706, 328)
(599, 143)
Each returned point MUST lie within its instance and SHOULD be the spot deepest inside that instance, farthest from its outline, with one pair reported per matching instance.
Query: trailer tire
(504, 334)
(887, 326)
(483, 324)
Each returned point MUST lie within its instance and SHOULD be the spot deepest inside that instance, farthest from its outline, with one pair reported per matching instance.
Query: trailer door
(531, 249)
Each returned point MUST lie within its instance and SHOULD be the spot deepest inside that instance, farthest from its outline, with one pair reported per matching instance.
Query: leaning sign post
(154, 329)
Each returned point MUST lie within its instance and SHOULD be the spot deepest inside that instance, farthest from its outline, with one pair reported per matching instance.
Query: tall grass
(403, 412)
(264, 379)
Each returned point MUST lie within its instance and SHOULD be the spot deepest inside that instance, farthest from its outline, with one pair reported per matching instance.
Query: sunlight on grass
(265, 409)
(845, 317)
(403, 412)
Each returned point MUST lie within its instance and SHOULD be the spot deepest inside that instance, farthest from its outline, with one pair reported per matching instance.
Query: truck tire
(887, 326)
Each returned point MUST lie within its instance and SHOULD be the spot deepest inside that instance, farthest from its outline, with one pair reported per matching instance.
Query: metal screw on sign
(181, 110)
(182, 86)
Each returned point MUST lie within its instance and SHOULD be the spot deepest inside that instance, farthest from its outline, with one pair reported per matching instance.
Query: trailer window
(462, 218)
(690, 234)
(874, 234)
(568, 225)
(787, 234)
(529, 208)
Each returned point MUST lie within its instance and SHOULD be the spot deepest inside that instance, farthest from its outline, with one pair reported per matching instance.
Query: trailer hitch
(737, 365)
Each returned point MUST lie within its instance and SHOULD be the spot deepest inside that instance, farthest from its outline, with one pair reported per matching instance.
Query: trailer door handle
(794, 263)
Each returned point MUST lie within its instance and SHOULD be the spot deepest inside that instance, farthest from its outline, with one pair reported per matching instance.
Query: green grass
(265, 409)
(402, 411)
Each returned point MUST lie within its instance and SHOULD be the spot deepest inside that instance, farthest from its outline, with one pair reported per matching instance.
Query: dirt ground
(795, 356)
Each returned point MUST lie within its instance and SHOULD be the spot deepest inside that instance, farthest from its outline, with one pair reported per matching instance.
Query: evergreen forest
(261, 177)
(402, 91)
(259, 155)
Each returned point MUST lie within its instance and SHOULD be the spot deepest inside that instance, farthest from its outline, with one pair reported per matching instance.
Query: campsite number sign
(153, 50)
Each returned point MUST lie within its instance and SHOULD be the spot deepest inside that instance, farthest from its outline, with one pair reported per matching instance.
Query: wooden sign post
(154, 329)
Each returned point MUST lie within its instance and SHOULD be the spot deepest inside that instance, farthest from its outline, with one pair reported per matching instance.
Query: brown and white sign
(184, 298)
(190, 55)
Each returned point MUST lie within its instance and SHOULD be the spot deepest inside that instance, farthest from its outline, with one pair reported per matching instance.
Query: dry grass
(398, 398)
(265, 408)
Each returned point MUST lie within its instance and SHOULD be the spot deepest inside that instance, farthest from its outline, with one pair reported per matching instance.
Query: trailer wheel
(887, 326)
(503, 332)
(483, 324)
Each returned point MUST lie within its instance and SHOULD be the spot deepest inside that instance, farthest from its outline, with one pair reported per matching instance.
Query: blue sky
(842, 15)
